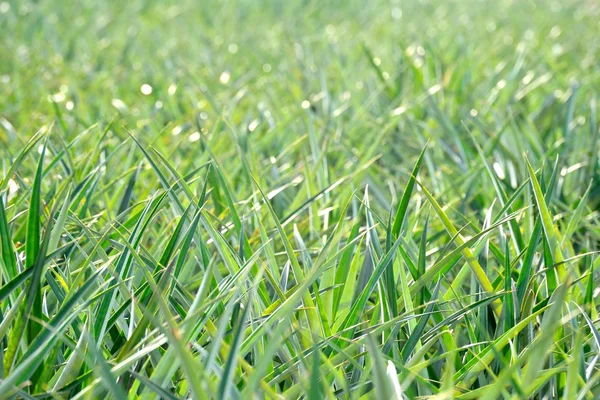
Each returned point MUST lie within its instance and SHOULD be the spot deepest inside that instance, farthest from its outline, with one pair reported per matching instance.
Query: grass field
(299, 199)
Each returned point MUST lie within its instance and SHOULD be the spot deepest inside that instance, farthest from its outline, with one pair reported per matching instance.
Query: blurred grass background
(313, 102)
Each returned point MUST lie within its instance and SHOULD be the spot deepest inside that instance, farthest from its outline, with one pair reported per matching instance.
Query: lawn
(292, 199)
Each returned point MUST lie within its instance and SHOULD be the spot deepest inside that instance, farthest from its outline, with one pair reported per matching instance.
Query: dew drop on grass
(398, 111)
(194, 137)
(58, 97)
(499, 170)
(13, 187)
(253, 125)
(224, 78)
(434, 89)
(119, 105)
(557, 50)
(146, 89)
(177, 130)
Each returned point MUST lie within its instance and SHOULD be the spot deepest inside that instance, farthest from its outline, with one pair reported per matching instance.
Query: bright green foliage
(299, 199)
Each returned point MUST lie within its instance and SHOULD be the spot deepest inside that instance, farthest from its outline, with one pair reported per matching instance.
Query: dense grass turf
(299, 199)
